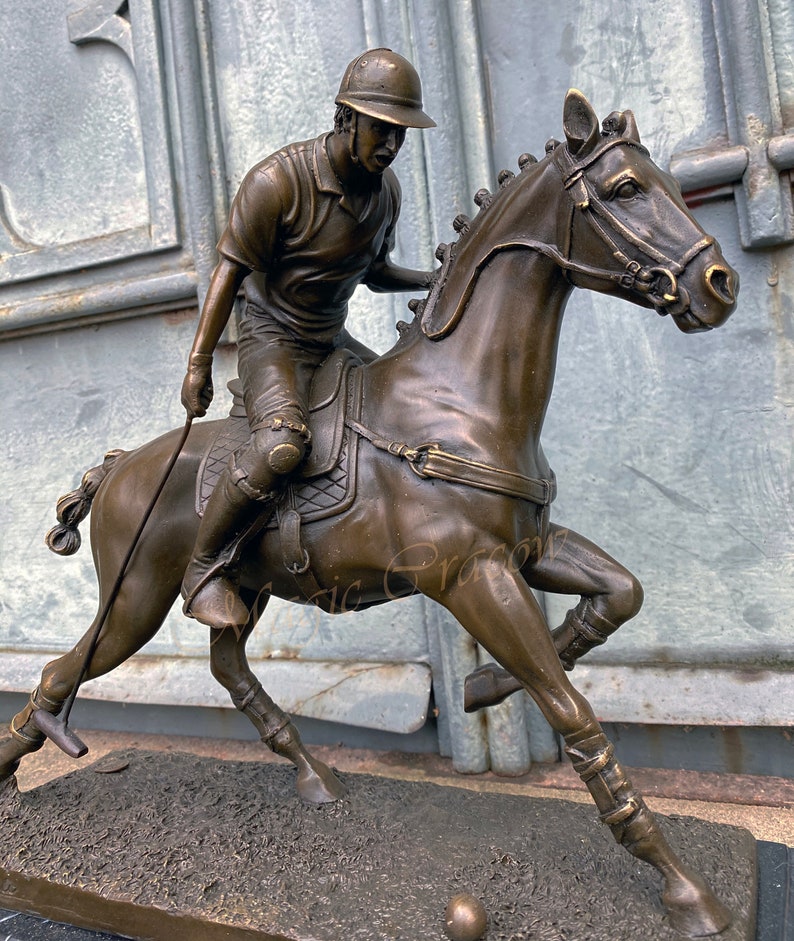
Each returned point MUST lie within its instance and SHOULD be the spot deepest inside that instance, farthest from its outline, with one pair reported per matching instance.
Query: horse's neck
(484, 389)
(501, 359)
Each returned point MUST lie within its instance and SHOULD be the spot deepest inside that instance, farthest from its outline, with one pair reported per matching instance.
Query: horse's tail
(73, 507)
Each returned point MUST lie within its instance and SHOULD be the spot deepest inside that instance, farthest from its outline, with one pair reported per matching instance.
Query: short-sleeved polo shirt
(292, 225)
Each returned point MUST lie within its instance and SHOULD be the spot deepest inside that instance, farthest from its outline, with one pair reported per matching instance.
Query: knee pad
(272, 453)
(283, 444)
(285, 456)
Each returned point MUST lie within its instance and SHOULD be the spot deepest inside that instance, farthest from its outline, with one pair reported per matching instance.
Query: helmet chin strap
(351, 144)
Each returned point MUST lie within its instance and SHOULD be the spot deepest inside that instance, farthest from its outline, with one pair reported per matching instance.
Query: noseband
(658, 282)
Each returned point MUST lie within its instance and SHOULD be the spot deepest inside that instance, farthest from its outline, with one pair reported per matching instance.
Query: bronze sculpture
(444, 487)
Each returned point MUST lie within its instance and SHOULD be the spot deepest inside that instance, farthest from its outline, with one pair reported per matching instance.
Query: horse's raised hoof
(317, 784)
(488, 685)
(694, 910)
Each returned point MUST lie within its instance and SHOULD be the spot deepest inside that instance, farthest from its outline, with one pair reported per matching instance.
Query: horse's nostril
(720, 282)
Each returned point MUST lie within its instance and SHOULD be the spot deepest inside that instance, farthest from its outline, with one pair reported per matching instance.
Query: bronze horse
(473, 374)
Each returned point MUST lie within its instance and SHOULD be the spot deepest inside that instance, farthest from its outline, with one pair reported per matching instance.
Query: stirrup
(226, 609)
(213, 571)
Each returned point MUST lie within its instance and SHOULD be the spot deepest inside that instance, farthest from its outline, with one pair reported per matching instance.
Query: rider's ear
(580, 123)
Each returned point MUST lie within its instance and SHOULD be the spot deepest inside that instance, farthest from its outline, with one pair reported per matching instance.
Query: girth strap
(429, 460)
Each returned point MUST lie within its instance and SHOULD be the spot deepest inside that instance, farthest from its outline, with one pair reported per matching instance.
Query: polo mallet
(56, 728)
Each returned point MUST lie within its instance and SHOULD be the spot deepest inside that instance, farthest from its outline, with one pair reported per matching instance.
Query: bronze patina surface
(453, 489)
(175, 846)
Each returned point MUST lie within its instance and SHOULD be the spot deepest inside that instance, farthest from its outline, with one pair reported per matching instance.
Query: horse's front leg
(500, 612)
(568, 564)
(316, 783)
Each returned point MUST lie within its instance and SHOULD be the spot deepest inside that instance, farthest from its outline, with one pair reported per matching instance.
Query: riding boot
(211, 586)
(582, 630)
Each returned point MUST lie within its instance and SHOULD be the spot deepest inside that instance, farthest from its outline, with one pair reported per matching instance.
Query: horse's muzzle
(713, 287)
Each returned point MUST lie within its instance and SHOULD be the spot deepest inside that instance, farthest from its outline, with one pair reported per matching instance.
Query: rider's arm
(246, 244)
(218, 304)
(224, 284)
(384, 276)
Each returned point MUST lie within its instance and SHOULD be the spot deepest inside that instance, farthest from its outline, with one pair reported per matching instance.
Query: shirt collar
(328, 182)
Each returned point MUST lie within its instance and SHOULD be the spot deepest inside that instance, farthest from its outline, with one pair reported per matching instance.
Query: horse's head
(625, 210)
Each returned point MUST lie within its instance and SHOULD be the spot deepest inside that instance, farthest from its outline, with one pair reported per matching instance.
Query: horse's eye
(627, 190)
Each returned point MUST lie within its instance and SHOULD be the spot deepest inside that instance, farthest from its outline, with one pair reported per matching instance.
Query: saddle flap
(327, 413)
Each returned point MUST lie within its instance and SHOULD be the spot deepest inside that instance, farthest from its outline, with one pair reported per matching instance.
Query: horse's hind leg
(24, 736)
(134, 619)
(501, 613)
(316, 783)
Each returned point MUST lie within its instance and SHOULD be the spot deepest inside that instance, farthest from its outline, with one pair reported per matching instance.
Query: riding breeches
(276, 370)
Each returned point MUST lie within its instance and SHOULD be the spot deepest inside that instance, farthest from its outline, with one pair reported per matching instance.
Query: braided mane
(435, 320)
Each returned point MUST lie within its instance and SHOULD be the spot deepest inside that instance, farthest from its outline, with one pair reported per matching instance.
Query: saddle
(325, 484)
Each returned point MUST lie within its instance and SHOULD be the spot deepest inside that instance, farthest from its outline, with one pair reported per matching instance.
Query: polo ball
(466, 918)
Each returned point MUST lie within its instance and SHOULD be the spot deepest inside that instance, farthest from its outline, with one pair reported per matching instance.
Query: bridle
(658, 282)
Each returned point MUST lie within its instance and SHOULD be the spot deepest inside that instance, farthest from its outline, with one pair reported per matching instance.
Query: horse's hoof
(8, 781)
(694, 910)
(9, 759)
(317, 784)
(488, 685)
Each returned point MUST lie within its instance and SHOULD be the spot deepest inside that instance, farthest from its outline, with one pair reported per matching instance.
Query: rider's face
(377, 143)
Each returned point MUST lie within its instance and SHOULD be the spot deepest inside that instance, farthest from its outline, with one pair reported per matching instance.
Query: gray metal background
(126, 130)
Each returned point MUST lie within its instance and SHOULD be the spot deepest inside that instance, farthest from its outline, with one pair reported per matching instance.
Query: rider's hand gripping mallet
(54, 727)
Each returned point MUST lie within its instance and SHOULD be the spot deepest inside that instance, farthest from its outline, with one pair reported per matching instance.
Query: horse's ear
(580, 123)
(622, 123)
(632, 131)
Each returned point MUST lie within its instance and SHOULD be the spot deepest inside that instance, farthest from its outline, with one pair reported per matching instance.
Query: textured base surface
(173, 845)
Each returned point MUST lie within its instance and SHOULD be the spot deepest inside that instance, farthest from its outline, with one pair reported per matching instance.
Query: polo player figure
(307, 226)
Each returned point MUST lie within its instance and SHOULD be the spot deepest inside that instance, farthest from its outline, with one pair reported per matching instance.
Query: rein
(658, 281)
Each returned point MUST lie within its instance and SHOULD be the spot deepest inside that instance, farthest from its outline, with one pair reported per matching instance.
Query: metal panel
(390, 697)
(110, 178)
(749, 54)
(673, 452)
